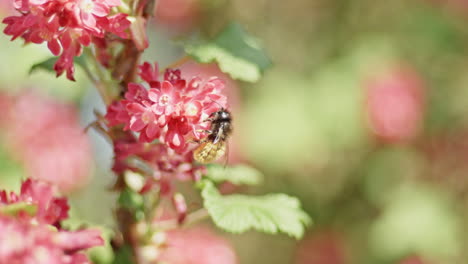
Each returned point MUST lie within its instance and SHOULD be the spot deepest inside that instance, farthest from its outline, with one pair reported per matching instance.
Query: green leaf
(238, 175)
(236, 52)
(131, 200)
(14, 209)
(48, 64)
(271, 213)
(123, 255)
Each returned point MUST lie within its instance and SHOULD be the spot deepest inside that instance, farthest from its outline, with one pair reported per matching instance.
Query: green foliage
(238, 175)
(123, 255)
(419, 220)
(14, 209)
(48, 64)
(131, 200)
(103, 254)
(12, 172)
(271, 213)
(236, 52)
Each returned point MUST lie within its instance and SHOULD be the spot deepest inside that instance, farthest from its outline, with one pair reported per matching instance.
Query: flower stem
(177, 63)
(191, 219)
(100, 82)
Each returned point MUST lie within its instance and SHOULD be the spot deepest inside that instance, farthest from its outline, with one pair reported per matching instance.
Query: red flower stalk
(172, 110)
(66, 26)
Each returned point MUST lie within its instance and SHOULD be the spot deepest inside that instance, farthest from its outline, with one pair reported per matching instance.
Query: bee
(213, 146)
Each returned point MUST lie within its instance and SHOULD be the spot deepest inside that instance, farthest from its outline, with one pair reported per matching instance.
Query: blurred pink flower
(6, 8)
(46, 137)
(414, 260)
(179, 14)
(325, 247)
(197, 246)
(395, 104)
(37, 237)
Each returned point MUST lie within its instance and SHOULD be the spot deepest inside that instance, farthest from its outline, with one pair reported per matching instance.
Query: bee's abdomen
(209, 152)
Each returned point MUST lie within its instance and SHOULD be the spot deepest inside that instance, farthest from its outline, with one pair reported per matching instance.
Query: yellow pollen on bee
(209, 152)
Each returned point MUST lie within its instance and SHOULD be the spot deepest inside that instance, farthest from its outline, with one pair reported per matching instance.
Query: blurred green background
(363, 116)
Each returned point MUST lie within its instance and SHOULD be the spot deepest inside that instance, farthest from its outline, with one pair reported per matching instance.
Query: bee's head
(224, 114)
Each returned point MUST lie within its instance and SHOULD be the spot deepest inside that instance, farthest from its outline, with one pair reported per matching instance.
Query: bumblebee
(213, 146)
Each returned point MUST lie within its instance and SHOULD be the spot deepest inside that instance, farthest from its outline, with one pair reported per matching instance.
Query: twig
(191, 218)
(177, 63)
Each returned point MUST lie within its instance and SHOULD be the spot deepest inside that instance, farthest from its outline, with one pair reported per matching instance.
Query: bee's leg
(193, 140)
(209, 119)
(209, 132)
(198, 141)
(226, 160)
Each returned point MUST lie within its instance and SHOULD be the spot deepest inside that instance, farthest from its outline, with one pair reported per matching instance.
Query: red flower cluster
(35, 238)
(165, 163)
(172, 110)
(66, 26)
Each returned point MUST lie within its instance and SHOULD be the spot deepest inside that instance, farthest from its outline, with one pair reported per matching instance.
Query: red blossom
(39, 238)
(50, 209)
(66, 26)
(172, 110)
(25, 243)
(165, 163)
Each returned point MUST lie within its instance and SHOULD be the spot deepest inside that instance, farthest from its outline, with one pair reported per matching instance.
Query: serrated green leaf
(271, 213)
(238, 175)
(14, 209)
(243, 45)
(236, 52)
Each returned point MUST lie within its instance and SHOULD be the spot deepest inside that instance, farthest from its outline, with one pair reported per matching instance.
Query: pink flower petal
(135, 108)
(54, 47)
(166, 87)
(154, 94)
(152, 130)
(136, 124)
(100, 10)
(112, 2)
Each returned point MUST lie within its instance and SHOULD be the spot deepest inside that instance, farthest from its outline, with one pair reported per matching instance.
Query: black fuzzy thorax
(221, 126)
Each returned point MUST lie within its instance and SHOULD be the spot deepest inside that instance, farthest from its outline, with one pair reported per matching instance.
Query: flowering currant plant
(155, 119)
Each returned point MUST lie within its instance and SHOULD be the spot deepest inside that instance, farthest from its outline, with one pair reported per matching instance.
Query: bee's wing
(208, 151)
(219, 135)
